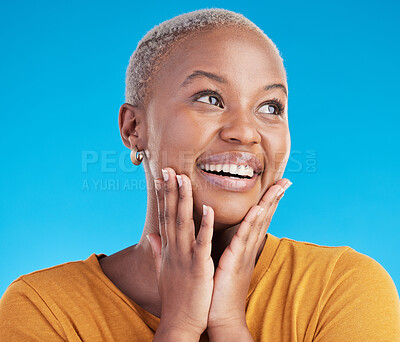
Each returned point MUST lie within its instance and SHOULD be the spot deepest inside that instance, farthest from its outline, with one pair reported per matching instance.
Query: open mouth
(231, 171)
(229, 177)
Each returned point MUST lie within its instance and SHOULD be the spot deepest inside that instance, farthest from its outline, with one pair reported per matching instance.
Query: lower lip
(228, 183)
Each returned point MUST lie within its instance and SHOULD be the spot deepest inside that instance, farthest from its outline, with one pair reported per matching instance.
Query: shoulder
(306, 255)
(352, 265)
(54, 276)
(360, 280)
(58, 281)
(31, 299)
(357, 298)
(39, 293)
(339, 265)
(339, 257)
(360, 300)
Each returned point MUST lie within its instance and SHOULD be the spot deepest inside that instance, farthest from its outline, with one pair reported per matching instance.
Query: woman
(206, 113)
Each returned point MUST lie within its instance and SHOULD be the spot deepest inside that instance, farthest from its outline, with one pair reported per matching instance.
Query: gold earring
(136, 156)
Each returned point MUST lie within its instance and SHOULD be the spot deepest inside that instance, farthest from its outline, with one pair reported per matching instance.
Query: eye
(274, 107)
(209, 97)
(270, 109)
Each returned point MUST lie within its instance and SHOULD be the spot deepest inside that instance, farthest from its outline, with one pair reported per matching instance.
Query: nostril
(241, 133)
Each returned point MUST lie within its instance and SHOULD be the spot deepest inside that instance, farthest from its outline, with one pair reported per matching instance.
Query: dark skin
(173, 129)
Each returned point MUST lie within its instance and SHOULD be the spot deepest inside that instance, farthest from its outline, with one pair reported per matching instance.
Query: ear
(131, 125)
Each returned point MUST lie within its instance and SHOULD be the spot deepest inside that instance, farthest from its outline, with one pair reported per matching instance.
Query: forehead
(240, 56)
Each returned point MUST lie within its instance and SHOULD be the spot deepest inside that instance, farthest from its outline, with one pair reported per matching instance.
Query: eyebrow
(201, 73)
(277, 85)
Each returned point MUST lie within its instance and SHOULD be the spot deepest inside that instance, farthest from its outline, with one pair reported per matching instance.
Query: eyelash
(278, 103)
(206, 92)
(275, 101)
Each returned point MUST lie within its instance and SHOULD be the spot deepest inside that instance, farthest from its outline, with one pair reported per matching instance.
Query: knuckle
(182, 196)
(161, 217)
(203, 226)
(180, 222)
(201, 242)
(167, 190)
(167, 216)
(242, 239)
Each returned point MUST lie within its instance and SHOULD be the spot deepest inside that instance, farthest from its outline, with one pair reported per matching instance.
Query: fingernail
(148, 238)
(287, 185)
(280, 192)
(157, 184)
(179, 179)
(205, 209)
(165, 174)
(260, 211)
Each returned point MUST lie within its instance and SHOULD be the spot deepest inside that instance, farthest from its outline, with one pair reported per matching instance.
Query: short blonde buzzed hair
(158, 42)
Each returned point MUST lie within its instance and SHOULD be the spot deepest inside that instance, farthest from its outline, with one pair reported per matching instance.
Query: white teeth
(242, 170)
(233, 169)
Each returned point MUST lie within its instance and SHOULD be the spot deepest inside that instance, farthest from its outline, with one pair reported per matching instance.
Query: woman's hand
(183, 263)
(233, 275)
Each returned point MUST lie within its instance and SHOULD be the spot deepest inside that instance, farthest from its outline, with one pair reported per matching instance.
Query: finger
(249, 235)
(248, 222)
(249, 230)
(170, 203)
(239, 241)
(202, 250)
(158, 184)
(272, 192)
(185, 234)
(155, 243)
(264, 221)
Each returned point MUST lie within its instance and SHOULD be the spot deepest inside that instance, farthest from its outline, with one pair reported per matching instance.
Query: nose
(241, 128)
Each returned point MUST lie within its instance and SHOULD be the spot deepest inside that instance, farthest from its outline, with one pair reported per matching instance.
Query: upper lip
(238, 158)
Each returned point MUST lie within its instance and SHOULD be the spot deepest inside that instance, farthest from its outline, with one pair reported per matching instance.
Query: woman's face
(218, 99)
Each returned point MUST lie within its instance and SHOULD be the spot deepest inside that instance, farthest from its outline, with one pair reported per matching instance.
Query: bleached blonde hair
(158, 42)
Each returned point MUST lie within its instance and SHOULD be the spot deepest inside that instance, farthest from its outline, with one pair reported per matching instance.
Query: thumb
(155, 243)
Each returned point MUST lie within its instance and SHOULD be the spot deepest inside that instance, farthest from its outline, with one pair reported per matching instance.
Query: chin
(220, 226)
(227, 213)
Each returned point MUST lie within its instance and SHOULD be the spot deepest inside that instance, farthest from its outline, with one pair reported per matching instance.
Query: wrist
(171, 333)
(234, 322)
(229, 333)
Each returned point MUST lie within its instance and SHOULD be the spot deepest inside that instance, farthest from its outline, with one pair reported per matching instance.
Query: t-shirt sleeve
(360, 303)
(24, 316)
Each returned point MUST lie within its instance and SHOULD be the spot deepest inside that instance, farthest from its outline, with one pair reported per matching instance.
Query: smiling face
(219, 101)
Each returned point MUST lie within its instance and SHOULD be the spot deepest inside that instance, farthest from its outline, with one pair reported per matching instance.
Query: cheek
(277, 147)
(180, 131)
(180, 140)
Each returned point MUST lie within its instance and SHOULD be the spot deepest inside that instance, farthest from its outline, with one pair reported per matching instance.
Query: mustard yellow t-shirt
(299, 292)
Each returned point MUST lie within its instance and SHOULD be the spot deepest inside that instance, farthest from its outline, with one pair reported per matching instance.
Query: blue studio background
(66, 183)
